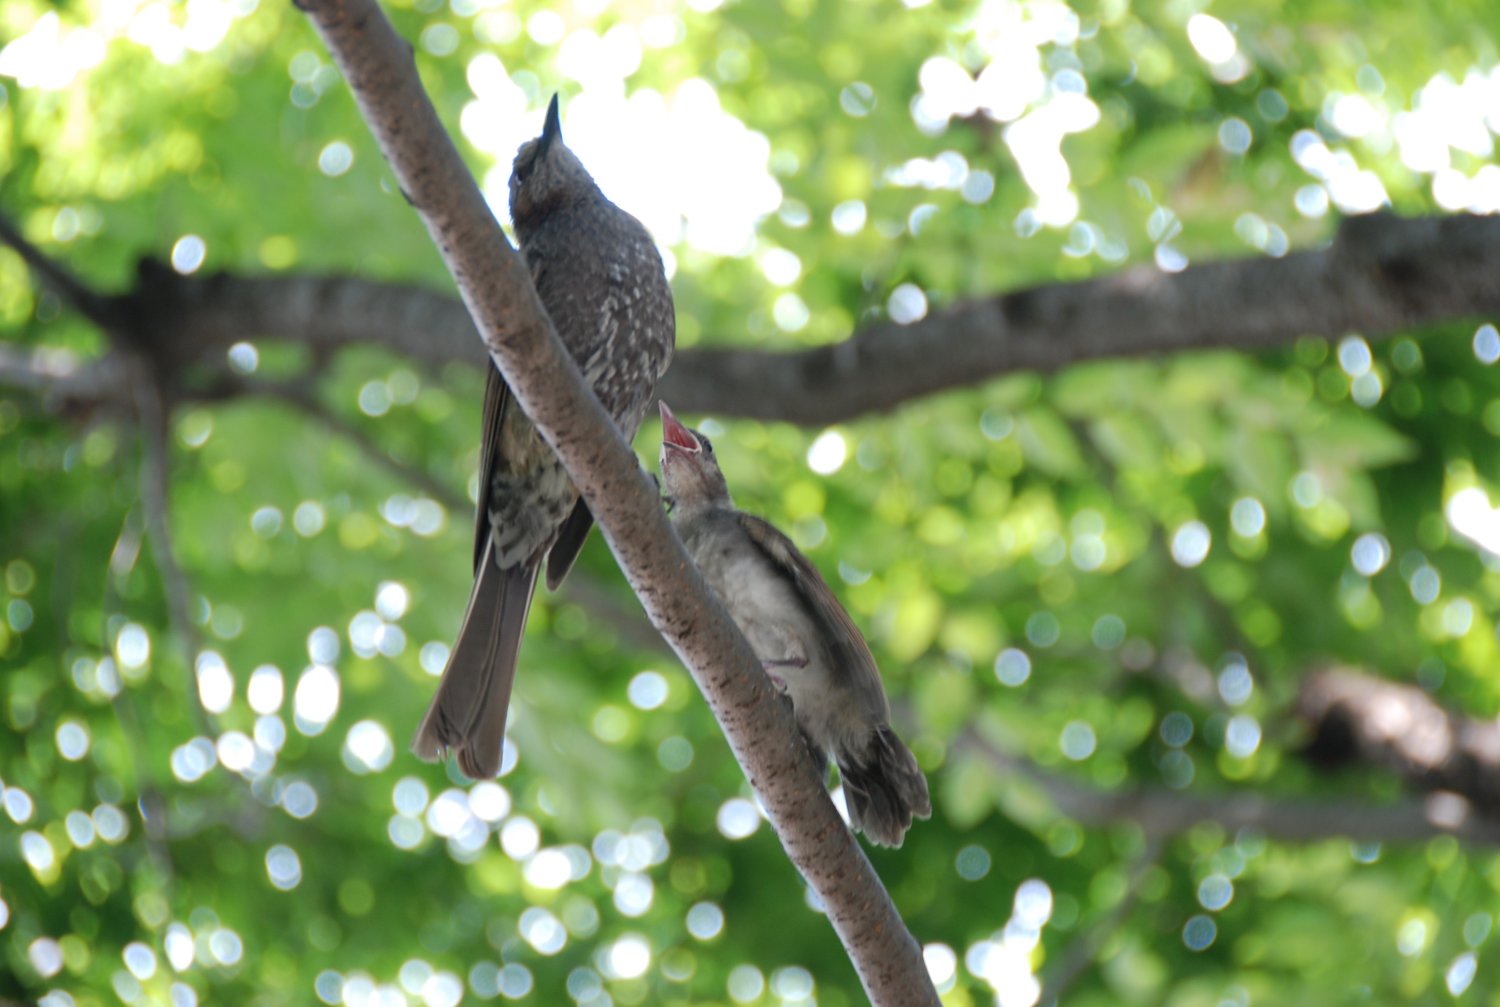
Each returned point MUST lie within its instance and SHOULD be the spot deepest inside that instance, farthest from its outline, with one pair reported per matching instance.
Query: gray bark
(1381, 276)
(1161, 812)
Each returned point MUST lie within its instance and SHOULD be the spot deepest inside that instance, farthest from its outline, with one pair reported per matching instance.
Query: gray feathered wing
(851, 655)
(496, 396)
(883, 785)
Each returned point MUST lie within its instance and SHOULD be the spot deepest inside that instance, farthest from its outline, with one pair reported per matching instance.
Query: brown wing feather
(850, 652)
(496, 397)
(575, 531)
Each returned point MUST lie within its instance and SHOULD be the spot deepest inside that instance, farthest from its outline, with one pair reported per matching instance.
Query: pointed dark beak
(551, 129)
(674, 434)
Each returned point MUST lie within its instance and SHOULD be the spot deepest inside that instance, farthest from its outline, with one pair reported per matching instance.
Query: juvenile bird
(807, 643)
(600, 277)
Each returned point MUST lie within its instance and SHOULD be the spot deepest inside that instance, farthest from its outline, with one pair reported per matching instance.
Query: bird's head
(690, 474)
(546, 175)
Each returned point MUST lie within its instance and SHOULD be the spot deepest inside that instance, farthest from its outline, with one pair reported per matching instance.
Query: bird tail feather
(467, 716)
(884, 789)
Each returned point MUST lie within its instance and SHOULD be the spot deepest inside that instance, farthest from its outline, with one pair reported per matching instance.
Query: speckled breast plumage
(601, 280)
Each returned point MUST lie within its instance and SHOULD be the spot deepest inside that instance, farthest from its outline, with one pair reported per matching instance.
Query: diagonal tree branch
(298, 394)
(1081, 951)
(100, 310)
(495, 286)
(309, 405)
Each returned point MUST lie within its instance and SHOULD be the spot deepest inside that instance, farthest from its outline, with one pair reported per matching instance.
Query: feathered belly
(788, 645)
(532, 496)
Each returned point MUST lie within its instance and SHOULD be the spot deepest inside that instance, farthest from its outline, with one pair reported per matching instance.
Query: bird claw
(776, 679)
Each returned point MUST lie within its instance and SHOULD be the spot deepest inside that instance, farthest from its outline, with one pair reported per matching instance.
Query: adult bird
(600, 277)
(807, 643)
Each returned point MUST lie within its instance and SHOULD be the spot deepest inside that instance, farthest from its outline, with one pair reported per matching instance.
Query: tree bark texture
(495, 286)
(1382, 275)
(1359, 719)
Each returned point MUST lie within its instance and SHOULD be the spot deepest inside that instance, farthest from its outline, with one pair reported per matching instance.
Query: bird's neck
(699, 506)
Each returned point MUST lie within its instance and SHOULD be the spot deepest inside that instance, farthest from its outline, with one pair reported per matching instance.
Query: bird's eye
(525, 162)
(708, 445)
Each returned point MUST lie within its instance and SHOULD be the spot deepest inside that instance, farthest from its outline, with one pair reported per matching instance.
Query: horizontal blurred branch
(1381, 275)
(66, 383)
(1163, 812)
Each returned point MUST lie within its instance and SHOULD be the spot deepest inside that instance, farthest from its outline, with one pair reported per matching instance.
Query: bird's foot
(777, 680)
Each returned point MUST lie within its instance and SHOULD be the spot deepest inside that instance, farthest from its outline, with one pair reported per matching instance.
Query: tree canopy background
(1104, 600)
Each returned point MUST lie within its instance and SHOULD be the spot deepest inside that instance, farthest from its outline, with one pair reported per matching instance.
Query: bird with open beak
(805, 640)
(600, 277)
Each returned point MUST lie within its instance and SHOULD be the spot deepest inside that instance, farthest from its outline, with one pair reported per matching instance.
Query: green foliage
(1034, 561)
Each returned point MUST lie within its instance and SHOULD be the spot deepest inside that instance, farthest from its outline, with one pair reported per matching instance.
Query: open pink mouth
(674, 433)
